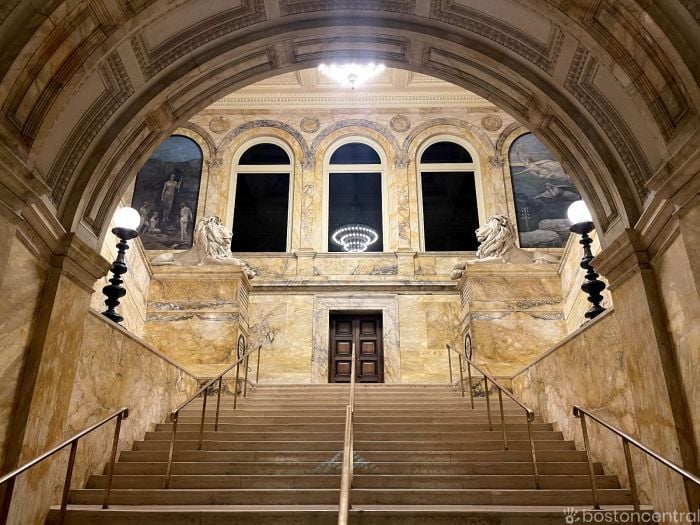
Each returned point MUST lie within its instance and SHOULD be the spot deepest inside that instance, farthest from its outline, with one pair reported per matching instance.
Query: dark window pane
(445, 152)
(262, 154)
(450, 213)
(260, 212)
(355, 198)
(355, 153)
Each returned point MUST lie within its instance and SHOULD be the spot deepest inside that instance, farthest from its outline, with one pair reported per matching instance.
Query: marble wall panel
(355, 264)
(21, 288)
(426, 324)
(282, 324)
(682, 308)
(114, 369)
(594, 368)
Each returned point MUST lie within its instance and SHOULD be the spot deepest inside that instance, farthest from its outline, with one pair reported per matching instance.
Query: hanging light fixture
(351, 75)
(355, 237)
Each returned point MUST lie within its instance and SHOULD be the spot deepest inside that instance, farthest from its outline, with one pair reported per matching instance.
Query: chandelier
(351, 75)
(355, 238)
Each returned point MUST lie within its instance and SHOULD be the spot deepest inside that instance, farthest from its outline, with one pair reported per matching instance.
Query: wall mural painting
(543, 193)
(166, 193)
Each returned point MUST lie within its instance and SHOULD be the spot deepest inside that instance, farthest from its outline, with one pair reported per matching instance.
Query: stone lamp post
(126, 222)
(582, 224)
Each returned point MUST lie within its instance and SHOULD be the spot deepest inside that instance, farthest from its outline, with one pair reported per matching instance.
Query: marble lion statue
(497, 245)
(211, 245)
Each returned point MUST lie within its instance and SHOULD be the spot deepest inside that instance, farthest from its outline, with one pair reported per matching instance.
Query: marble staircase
(422, 455)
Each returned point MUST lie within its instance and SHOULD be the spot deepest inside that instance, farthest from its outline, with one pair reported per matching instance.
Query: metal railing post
(245, 378)
(461, 376)
(66, 484)
(503, 419)
(257, 368)
(235, 389)
(533, 453)
(591, 471)
(471, 388)
(205, 394)
(488, 402)
(630, 473)
(218, 404)
(449, 364)
(113, 457)
(168, 469)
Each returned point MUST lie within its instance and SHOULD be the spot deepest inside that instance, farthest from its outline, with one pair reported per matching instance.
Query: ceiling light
(351, 75)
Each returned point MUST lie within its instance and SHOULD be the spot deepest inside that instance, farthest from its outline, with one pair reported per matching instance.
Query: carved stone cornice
(622, 258)
(79, 261)
(20, 187)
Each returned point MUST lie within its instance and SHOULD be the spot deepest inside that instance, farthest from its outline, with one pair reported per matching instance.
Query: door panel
(365, 331)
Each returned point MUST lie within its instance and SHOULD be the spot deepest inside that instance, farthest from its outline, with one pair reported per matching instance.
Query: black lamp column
(592, 285)
(127, 222)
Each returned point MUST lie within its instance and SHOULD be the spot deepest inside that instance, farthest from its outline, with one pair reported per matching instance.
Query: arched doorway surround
(615, 102)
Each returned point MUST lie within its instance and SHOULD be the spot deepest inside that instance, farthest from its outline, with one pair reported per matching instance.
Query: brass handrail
(203, 391)
(348, 450)
(9, 479)
(529, 413)
(582, 413)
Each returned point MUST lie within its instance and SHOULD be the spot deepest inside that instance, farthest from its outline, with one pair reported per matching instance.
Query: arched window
(262, 189)
(448, 194)
(166, 194)
(355, 187)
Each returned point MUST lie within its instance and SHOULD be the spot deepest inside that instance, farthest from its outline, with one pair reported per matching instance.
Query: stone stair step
(372, 456)
(311, 467)
(360, 481)
(372, 496)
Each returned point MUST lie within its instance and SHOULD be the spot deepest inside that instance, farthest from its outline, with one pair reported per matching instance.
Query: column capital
(621, 258)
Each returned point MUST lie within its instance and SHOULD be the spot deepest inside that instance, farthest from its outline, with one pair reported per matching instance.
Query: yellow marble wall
(282, 324)
(594, 368)
(513, 313)
(111, 369)
(427, 323)
(682, 308)
(21, 289)
(196, 313)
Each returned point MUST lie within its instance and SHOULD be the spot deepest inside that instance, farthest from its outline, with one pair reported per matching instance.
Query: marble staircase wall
(593, 368)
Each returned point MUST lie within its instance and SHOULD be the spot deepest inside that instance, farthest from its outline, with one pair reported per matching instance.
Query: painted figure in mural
(154, 223)
(144, 211)
(167, 196)
(545, 169)
(554, 192)
(185, 220)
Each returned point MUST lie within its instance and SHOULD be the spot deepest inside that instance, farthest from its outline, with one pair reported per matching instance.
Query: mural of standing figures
(166, 194)
(542, 192)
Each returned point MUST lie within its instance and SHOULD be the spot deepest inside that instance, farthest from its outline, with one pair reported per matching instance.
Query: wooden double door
(365, 331)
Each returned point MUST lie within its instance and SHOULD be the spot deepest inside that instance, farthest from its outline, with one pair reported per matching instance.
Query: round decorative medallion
(492, 122)
(310, 124)
(219, 125)
(400, 123)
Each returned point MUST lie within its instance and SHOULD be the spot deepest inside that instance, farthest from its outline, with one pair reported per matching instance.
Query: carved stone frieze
(118, 88)
(580, 82)
(295, 7)
(492, 122)
(400, 123)
(219, 125)
(153, 60)
(543, 55)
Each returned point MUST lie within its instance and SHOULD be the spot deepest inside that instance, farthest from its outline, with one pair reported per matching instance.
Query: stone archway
(575, 76)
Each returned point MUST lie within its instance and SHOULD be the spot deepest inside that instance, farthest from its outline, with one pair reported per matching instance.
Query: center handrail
(9, 479)
(348, 450)
(204, 391)
(581, 413)
(529, 413)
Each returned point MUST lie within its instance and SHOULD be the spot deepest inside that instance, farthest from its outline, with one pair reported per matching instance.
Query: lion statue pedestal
(497, 245)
